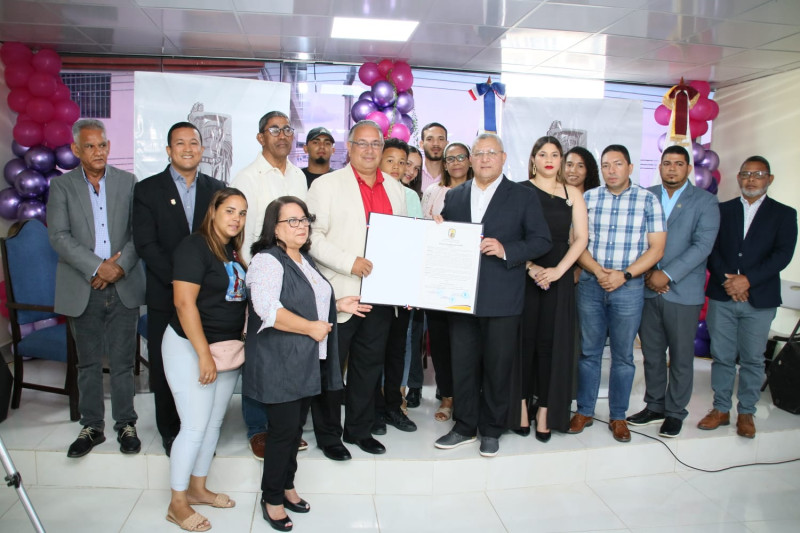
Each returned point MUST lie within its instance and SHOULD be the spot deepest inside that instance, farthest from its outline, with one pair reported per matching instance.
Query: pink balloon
(698, 128)
(379, 118)
(662, 115)
(47, 61)
(62, 93)
(40, 84)
(18, 99)
(385, 66)
(369, 74)
(702, 87)
(17, 75)
(716, 175)
(57, 133)
(701, 110)
(402, 78)
(66, 111)
(28, 133)
(40, 109)
(12, 53)
(714, 110)
(399, 131)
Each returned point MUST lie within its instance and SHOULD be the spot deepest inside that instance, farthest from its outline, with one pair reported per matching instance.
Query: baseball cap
(316, 132)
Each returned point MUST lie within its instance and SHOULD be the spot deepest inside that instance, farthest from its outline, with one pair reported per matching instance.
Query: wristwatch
(628, 275)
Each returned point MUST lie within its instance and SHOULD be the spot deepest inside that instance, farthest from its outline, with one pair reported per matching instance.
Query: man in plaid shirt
(627, 236)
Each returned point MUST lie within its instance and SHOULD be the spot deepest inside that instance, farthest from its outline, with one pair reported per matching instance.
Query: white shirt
(750, 211)
(480, 198)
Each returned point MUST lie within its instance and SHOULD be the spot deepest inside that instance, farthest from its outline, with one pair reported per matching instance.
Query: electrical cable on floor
(697, 467)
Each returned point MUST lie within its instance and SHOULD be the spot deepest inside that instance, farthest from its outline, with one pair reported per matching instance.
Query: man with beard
(319, 147)
(433, 141)
(756, 240)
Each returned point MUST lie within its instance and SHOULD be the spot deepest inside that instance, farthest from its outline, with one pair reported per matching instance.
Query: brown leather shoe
(745, 427)
(714, 419)
(257, 443)
(620, 430)
(579, 422)
(303, 445)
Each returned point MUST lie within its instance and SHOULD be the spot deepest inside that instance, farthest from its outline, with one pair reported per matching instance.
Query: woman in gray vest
(291, 339)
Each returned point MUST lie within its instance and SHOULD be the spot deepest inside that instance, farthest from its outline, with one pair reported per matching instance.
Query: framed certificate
(419, 263)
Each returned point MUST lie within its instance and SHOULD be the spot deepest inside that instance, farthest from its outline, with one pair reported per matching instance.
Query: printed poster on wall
(225, 110)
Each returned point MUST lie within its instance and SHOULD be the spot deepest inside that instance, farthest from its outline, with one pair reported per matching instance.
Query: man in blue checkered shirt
(627, 236)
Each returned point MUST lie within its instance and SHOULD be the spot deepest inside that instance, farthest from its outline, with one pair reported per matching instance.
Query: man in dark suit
(756, 240)
(99, 282)
(673, 295)
(484, 344)
(166, 208)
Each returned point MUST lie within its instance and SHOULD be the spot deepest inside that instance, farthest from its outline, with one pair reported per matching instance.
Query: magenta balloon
(662, 114)
(702, 87)
(662, 142)
(714, 110)
(62, 93)
(9, 202)
(17, 75)
(701, 110)
(361, 109)
(47, 61)
(366, 95)
(65, 158)
(40, 109)
(702, 177)
(41, 159)
(30, 183)
(716, 175)
(697, 128)
(711, 160)
(18, 149)
(405, 102)
(407, 121)
(13, 168)
(383, 93)
(384, 67)
(18, 99)
(41, 84)
(14, 52)
(57, 133)
(29, 209)
(368, 73)
(698, 152)
(28, 133)
(66, 111)
(399, 131)
(380, 119)
(403, 79)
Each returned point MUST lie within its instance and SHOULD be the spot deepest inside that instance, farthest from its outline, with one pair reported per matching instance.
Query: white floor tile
(92, 470)
(629, 460)
(434, 514)
(461, 475)
(149, 514)
(404, 477)
(774, 526)
(533, 470)
(331, 513)
(701, 528)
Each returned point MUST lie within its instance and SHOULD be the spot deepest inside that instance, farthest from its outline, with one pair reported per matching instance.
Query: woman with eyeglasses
(457, 170)
(291, 330)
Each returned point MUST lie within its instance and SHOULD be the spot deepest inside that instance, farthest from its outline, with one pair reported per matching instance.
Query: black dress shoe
(645, 417)
(379, 426)
(281, 524)
(522, 432)
(542, 436)
(368, 445)
(413, 398)
(671, 427)
(167, 444)
(336, 452)
(128, 440)
(399, 420)
(88, 438)
(300, 507)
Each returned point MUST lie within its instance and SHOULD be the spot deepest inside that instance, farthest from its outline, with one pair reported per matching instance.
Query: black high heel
(281, 524)
(522, 432)
(542, 436)
(300, 507)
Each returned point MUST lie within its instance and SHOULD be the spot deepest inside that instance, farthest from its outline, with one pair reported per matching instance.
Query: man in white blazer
(342, 202)
(99, 282)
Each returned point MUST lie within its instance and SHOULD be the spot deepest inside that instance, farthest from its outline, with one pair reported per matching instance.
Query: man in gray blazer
(674, 294)
(99, 282)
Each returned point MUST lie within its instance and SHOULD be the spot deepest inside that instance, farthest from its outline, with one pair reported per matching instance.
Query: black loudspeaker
(6, 385)
(783, 376)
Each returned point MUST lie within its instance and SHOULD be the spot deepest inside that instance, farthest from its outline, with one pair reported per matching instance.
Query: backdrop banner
(225, 110)
(591, 123)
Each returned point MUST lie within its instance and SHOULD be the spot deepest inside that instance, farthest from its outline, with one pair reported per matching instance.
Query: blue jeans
(255, 416)
(737, 328)
(616, 314)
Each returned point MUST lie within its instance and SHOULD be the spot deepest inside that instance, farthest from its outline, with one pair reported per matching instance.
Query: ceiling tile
(665, 26)
(763, 59)
(573, 17)
(515, 56)
(308, 45)
(714, 9)
(569, 60)
(103, 16)
(668, 69)
(630, 4)
(194, 20)
(777, 11)
(217, 52)
(21, 11)
(118, 38)
(541, 39)
(456, 34)
(568, 73)
(714, 74)
(697, 54)
(299, 25)
(218, 5)
(218, 41)
(742, 34)
(434, 54)
(503, 13)
(791, 43)
(616, 46)
(406, 10)
(364, 49)
(277, 7)
(38, 33)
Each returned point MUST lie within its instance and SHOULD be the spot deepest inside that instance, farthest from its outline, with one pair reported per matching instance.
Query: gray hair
(370, 123)
(87, 124)
(483, 136)
(266, 118)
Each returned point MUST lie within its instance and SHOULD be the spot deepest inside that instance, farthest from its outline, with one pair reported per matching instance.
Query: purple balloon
(702, 331)
(9, 202)
(702, 348)
(662, 142)
(698, 152)
(30, 184)
(711, 160)
(383, 93)
(65, 158)
(31, 209)
(12, 170)
(41, 158)
(18, 149)
(702, 177)
(393, 115)
(713, 187)
(52, 174)
(361, 109)
(366, 95)
(407, 121)
(405, 102)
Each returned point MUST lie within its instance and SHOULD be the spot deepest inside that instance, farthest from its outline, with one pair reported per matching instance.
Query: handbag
(228, 355)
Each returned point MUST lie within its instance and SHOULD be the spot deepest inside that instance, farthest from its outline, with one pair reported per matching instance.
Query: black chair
(29, 267)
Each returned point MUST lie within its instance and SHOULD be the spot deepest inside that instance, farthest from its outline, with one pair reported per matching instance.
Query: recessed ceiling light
(373, 29)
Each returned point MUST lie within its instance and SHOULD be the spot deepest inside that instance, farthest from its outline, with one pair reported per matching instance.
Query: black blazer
(159, 225)
(513, 217)
(761, 256)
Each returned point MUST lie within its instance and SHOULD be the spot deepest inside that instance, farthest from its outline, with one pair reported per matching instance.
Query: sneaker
(257, 443)
(88, 438)
(128, 440)
(489, 446)
(400, 421)
(413, 398)
(451, 440)
(379, 425)
(671, 427)
(645, 417)
(303, 445)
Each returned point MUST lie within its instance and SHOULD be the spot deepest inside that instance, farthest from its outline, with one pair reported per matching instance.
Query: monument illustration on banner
(217, 131)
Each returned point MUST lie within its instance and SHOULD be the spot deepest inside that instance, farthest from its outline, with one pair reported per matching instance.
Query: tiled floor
(574, 483)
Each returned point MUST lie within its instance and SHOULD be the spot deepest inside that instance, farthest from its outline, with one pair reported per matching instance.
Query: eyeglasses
(491, 154)
(459, 158)
(363, 145)
(756, 174)
(296, 222)
(275, 131)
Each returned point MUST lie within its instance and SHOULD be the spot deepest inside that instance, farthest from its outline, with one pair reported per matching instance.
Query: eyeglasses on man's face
(454, 158)
(755, 174)
(296, 222)
(363, 145)
(275, 131)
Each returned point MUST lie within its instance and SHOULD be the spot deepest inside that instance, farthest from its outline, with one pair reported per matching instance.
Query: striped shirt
(619, 224)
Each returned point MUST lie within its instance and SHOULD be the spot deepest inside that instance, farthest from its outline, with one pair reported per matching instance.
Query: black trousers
(394, 362)
(326, 411)
(362, 345)
(441, 354)
(167, 420)
(284, 428)
(484, 349)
